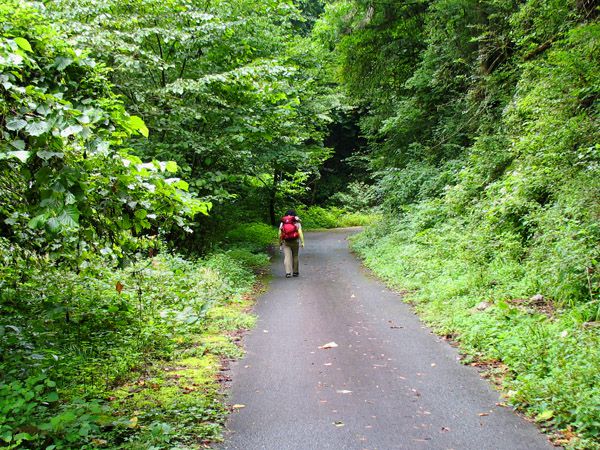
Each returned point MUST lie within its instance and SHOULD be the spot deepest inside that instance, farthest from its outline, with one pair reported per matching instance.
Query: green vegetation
(147, 149)
(104, 343)
(316, 217)
(549, 349)
(481, 124)
(227, 89)
(155, 329)
(256, 235)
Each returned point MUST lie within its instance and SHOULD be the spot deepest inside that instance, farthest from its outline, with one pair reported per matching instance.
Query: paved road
(390, 383)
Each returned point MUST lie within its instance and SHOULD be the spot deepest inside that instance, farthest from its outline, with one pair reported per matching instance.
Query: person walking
(290, 238)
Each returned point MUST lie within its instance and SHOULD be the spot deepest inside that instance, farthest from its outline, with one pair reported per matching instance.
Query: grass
(315, 218)
(136, 363)
(545, 354)
(179, 403)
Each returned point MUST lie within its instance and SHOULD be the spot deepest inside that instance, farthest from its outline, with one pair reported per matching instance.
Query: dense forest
(148, 148)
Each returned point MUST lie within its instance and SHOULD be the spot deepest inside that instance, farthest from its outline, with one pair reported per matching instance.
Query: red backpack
(289, 230)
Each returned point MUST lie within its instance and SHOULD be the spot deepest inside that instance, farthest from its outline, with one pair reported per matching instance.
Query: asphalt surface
(390, 383)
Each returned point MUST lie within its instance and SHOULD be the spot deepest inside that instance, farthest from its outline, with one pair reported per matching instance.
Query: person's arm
(301, 235)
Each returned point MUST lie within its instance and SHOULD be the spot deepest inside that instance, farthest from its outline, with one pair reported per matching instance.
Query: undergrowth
(479, 289)
(316, 217)
(124, 357)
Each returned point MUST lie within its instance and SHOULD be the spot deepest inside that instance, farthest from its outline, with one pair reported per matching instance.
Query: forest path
(390, 383)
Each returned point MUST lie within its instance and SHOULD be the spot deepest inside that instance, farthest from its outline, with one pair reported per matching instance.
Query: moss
(230, 318)
(179, 401)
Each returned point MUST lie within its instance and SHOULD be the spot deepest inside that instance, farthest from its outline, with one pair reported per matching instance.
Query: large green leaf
(137, 124)
(171, 166)
(69, 216)
(47, 155)
(16, 124)
(62, 62)
(38, 221)
(18, 144)
(71, 130)
(37, 128)
(22, 156)
(53, 224)
(23, 43)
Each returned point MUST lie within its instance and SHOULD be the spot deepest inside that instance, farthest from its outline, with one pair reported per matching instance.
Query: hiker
(290, 238)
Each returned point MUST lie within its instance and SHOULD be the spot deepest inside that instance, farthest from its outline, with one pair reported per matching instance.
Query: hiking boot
(288, 275)
(296, 274)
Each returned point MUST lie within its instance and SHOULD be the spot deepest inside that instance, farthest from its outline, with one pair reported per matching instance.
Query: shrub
(356, 198)
(255, 261)
(255, 236)
(75, 335)
(451, 265)
(315, 217)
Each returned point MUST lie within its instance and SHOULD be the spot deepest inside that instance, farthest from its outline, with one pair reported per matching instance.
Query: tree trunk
(272, 196)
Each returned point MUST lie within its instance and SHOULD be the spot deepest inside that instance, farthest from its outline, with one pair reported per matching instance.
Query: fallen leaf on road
(445, 429)
(328, 345)
(343, 391)
(338, 423)
(484, 414)
(327, 364)
(265, 331)
(433, 364)
(238, 406)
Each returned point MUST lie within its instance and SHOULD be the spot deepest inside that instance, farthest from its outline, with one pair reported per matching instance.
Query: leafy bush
(76, 335)
(71, 183)
(357, 219)
(255, 236)
(358, 197)
(248, 259)
(315, 217)
(450, 266)
(504, 209)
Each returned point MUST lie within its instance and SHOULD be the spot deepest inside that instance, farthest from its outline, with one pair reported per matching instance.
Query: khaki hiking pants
(290, 255)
